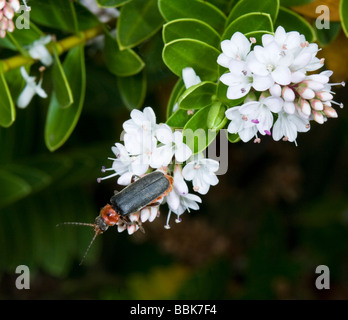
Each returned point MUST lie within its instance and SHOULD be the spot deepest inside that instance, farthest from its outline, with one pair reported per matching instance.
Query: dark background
(278, 213)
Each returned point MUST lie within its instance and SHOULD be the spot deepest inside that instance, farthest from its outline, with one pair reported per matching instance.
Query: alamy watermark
(23, 280)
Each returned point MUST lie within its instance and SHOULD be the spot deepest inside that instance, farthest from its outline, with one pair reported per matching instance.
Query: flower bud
(288, 94)
(317, 105)
(318, 117)
(330, 112)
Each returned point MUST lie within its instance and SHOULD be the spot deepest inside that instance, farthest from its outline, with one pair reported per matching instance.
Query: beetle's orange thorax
(110, 216)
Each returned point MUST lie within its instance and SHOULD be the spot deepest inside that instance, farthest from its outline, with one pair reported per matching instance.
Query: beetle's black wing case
(140, 193)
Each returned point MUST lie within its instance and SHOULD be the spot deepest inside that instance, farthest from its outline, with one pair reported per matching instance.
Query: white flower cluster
(149, 146)
(7, 11)
(275, 82)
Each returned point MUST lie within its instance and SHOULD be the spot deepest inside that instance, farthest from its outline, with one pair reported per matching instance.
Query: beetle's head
(108, 217)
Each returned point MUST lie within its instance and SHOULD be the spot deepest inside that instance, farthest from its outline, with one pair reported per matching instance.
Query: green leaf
(112, 3)
(204, 11)
(198, 55)
(202, 128)
(12, 188)
(190, 29)
(249, 22)
(292, 3)
(198, 96)
(61, 122)
(177, 91)
(138, 21)
(7, 108)
(121, 63)
(133, 90)
(246, 6)
(292, 21)
(179, 118)
(62, 15)
(326, 36)
(344, 15)
(61, 85)
(233, 137)
(216, 117)
(58, 14)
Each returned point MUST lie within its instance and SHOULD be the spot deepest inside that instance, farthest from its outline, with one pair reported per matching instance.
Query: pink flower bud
(305, 107)
(318, 117)
(317, 105)
(288, 94)
(15, 5)
(2, 3)
(10, 27)
(305, 92)
(324, 96)
(8, 12)
(330, 112)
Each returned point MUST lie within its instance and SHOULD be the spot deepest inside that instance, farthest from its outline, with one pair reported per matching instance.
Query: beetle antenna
(89, 246)
(76, 223)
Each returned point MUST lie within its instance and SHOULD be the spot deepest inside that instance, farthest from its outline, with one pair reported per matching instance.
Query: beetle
(143, 192)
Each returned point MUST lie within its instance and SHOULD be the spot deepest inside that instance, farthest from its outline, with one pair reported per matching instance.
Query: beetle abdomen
(140, 193)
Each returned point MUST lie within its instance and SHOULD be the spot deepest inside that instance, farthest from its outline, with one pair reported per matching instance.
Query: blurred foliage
(278, 213)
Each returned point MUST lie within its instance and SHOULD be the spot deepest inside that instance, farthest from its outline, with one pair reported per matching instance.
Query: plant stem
(61, 47)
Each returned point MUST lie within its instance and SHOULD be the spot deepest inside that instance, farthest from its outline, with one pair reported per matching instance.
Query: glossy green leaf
(61, 85)
(61, 122)
(179, 118)
(7, 108)
(121, 63)
(138, 21)
(12, 188)
(344, 15)
(177, 91)
(292, 21)
(62, 15)
(249, 22)
(202, 128)
(190, 29)
(15, 83)
(246, 6)
(133, 90)
(216, 118)
(292, 3)
(233, 137)
(58, 14)
(183, 53)
(326, 36)
(198, 96)
(196, 9)
(112, 3)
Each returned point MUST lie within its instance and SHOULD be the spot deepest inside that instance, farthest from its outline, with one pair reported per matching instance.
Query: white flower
(287, 126)
(271, 61)
(39, 51)
(141, 121)
(260, 113)
(240, 80)
(179, 200)
(122, 165)
(173, 145)
(189, 77)
(235, 49)
(201, 171)
(29, 90)
(240, 124)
